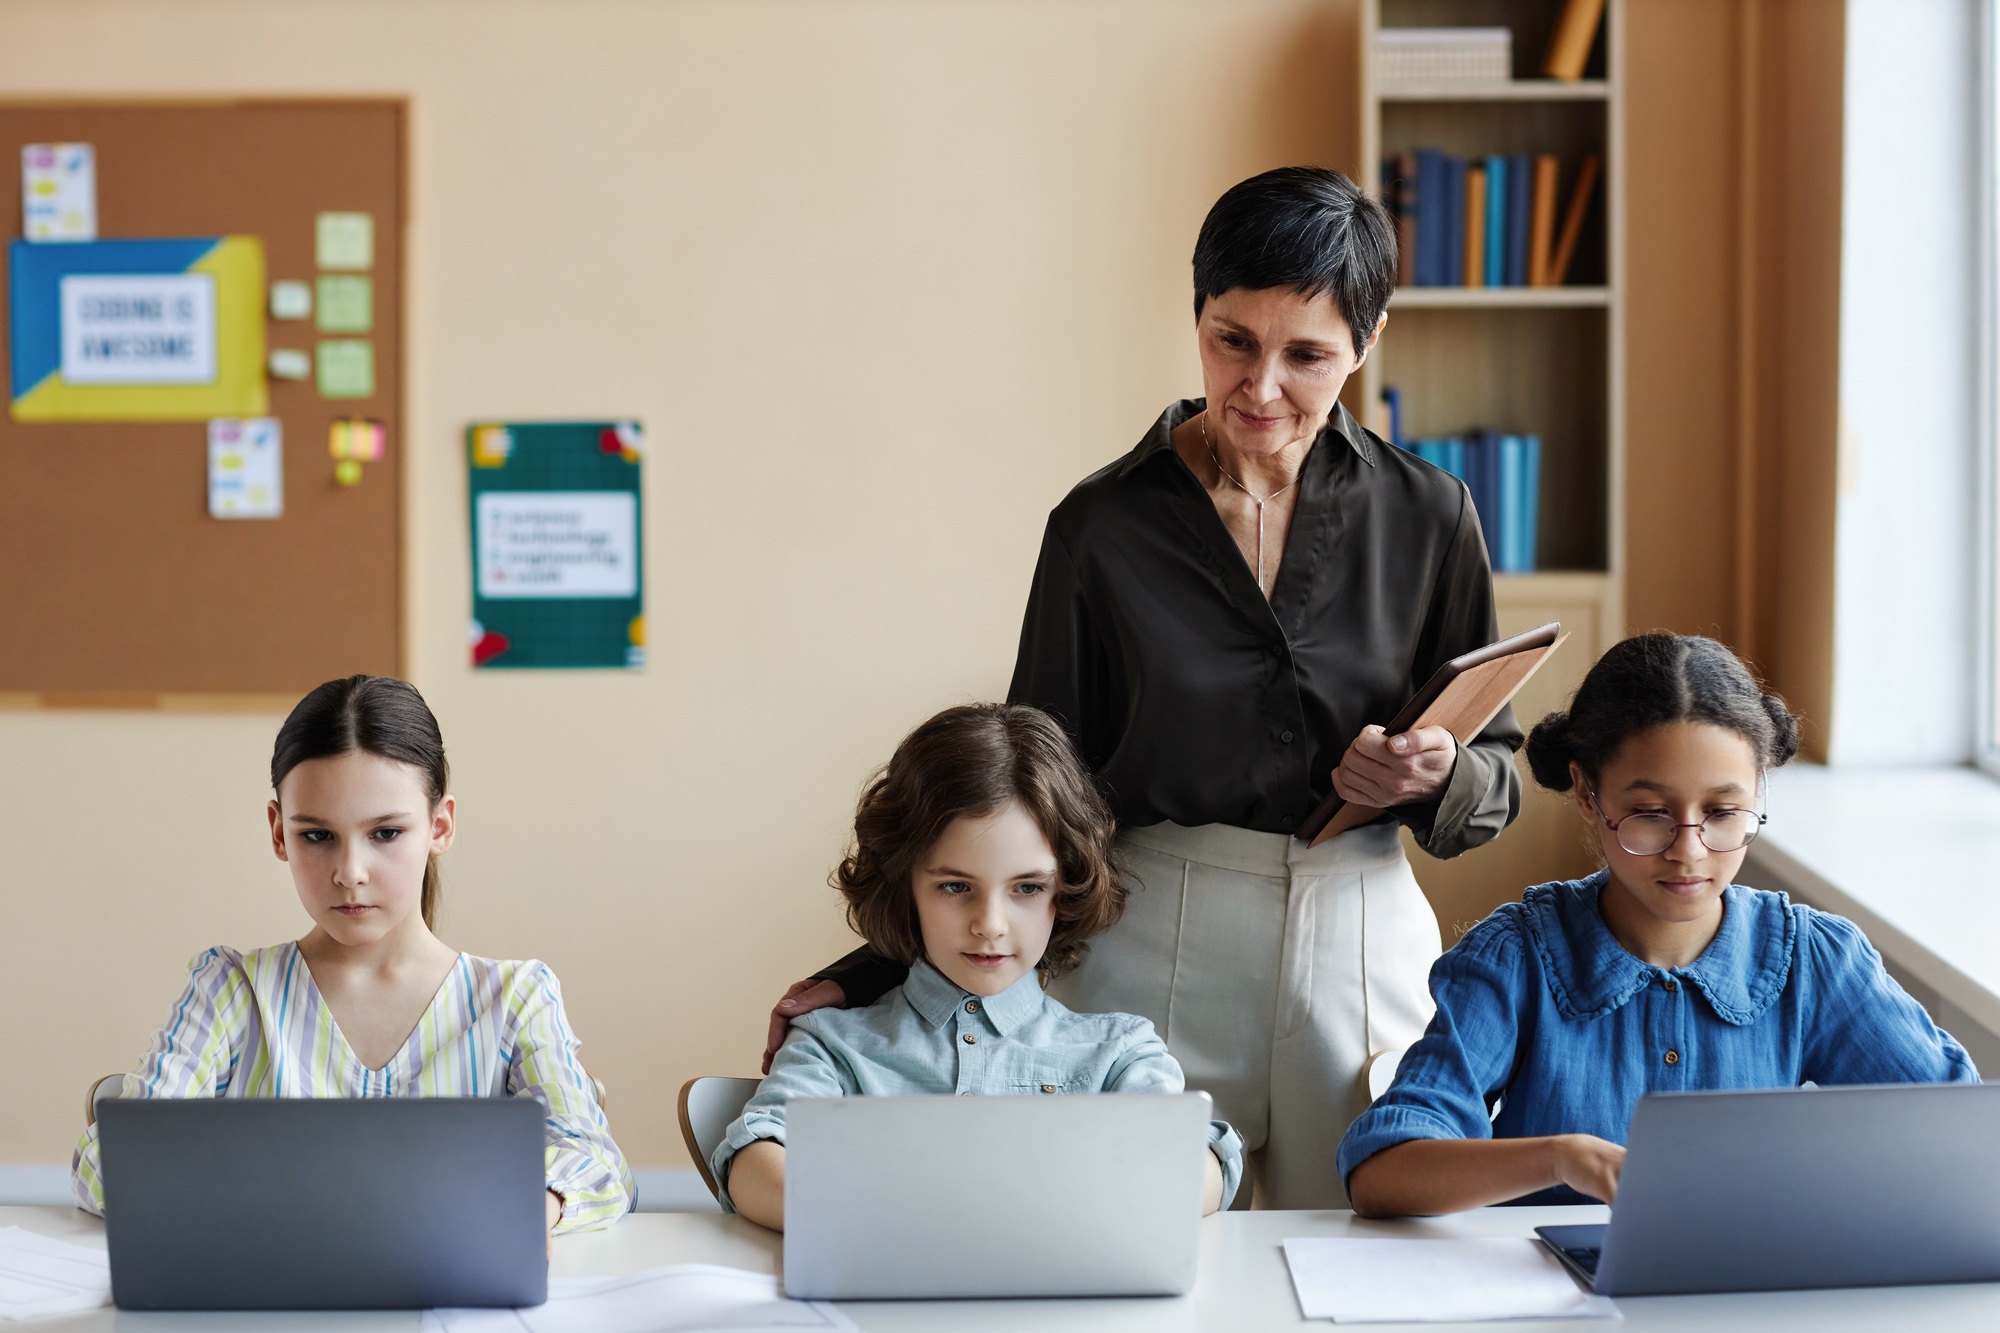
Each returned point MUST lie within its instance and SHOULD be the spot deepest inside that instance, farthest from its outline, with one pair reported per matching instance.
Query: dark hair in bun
(1652, 679)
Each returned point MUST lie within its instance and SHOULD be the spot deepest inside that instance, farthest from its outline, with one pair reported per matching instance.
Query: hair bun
(1550, 749)
(1784, 730)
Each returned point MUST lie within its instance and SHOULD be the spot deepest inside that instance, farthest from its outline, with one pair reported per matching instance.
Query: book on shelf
(1542, 221)
(1571, 39)
(1487, 222)
(1503, 475)
(1473, 260)
(1497, 213)
(1451, 236)
(1519, 192)
(1579, 206)
(1399, 192)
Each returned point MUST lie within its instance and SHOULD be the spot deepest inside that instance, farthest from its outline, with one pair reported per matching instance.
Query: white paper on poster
(138, 328)
(558, 544)
(58, 192)
(246, 471)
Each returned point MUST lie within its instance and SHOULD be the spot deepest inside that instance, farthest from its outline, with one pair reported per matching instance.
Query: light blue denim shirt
(1541, 1012)
(928, 1036)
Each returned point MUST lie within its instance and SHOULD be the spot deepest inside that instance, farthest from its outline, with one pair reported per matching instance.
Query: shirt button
(1671, 984)
(1285, 736)
(965, 1094)
(1672, 1057)
(972, 1006)
(970, 1039)
(1048, 1087)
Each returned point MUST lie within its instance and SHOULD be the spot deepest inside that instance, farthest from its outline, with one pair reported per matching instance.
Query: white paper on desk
(681, 1298)
(40, 1277)
(1364, 1280)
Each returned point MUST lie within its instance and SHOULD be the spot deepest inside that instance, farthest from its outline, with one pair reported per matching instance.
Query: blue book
(1531, 507)
(1513, 497)
(1452, 245)
(1520, 201)
(1498, 188)
(1482, 478)
(1430, 217)
(1454, 456)
(1431, 451)
(1394, 398)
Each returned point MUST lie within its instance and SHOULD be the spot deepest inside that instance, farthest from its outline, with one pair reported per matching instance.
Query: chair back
(707, 1107)
(102, 1089)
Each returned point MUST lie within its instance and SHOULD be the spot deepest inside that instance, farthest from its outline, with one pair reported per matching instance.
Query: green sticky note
(346, 303)
(345, 240)
(346, 368)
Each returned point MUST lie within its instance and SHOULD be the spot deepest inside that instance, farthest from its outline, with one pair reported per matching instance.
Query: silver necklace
(1255, 498)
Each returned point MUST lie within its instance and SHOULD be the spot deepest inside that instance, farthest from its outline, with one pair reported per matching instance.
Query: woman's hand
(804, 997)
(1589, 1165)
(555, 1207)
(1383, 771)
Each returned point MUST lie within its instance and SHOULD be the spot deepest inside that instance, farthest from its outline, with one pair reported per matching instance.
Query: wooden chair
(707, 1106)
(101, 1089)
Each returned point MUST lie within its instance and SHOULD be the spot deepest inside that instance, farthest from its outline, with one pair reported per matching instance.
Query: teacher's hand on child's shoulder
(801, 998)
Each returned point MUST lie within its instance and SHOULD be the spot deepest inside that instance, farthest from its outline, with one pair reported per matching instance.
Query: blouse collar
(1590, 974)
(1340, 426)
(936, 999)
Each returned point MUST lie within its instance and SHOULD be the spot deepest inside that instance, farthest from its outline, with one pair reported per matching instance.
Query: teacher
(1218, 618)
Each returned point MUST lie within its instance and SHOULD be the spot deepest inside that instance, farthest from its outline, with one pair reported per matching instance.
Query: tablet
(1462, 696)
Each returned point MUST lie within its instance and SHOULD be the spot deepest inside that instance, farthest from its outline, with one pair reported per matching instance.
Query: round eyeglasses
(1648, 833)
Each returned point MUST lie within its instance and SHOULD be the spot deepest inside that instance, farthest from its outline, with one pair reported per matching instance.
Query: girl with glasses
(1656, 974)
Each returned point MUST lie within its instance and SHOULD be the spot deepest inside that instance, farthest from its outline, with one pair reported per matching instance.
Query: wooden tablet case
(1462, 696)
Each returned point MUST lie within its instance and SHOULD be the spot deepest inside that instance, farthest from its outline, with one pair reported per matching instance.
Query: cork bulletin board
(117, 587)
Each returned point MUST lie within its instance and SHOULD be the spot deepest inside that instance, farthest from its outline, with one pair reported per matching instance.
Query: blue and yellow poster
(556, 544)
(156, 330)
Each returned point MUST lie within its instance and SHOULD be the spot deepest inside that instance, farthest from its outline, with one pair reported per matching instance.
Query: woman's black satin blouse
(1197, 700)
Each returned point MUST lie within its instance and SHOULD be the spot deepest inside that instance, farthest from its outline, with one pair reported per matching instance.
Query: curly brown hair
(971, 760)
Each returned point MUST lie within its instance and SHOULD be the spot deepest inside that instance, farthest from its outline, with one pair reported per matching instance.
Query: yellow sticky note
(345, 240)
(346, 303)
(346, 368)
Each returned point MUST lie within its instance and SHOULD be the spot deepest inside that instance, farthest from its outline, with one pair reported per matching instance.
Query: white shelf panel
(1498, 298)
(1520, 90)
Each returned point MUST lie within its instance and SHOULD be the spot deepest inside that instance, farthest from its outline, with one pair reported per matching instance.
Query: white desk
(1244, 1287)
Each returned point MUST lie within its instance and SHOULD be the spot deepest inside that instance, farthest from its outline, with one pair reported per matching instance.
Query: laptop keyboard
(1584, 1257)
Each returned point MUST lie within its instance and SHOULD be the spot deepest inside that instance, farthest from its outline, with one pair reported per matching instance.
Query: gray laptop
(930, 1197)
(1806, 1187)
(294, 1204)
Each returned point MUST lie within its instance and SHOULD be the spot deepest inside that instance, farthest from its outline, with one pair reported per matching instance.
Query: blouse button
(972, 1006)
(1670, 984)
(1672, 1057)
(970, 1039)
(1048, 1087)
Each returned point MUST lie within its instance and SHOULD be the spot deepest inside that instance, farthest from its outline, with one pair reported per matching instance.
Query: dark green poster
(556, 544)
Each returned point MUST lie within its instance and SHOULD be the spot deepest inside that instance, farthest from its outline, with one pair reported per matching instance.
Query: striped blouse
(254, 1025)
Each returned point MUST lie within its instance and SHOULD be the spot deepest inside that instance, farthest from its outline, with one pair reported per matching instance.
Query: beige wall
(881, 279)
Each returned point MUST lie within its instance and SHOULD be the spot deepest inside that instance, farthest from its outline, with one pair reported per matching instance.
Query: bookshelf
(1547, 360)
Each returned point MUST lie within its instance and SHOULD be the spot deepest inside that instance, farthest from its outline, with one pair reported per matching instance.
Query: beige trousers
(1273, 971)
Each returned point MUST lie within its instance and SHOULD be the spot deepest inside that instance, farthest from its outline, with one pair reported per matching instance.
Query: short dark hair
(971, 760)
(1306, 228)
(382, 716)
(1647, 681)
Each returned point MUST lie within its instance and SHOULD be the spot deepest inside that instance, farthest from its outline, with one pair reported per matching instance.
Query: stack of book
(1504, 474)
(1484, 222)
(1442, 57)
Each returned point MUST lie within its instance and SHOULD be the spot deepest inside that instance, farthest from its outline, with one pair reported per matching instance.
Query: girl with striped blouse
(370, 1003)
